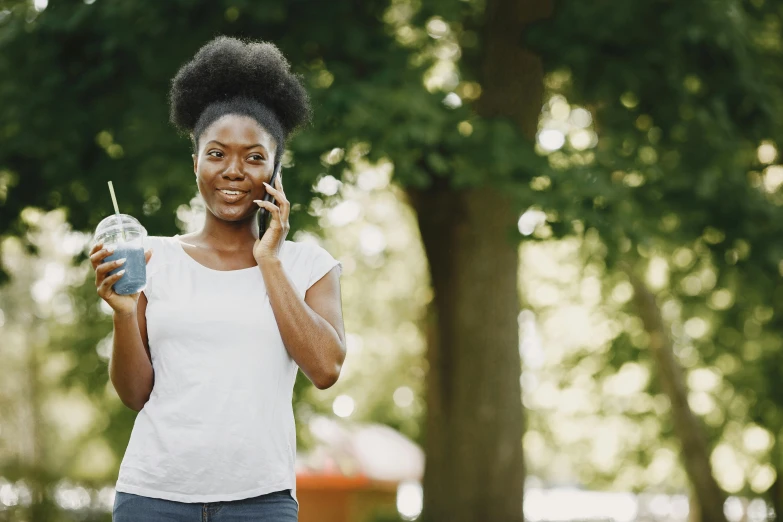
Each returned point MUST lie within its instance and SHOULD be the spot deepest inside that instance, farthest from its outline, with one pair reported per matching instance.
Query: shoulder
(164, 250)
(294, 253)
(307, 261)
(164, 254)
(161, 242)
(302, 251)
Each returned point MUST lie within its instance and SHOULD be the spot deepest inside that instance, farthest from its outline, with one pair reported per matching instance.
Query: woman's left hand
(268, 246)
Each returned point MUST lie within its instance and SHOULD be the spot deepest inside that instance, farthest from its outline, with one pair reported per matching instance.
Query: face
(235, 157)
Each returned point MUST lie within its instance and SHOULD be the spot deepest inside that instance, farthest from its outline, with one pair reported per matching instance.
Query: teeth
(231, 192)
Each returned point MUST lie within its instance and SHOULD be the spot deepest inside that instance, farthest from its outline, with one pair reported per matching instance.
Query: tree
(694, 92)
(475, 424)
(53, 394)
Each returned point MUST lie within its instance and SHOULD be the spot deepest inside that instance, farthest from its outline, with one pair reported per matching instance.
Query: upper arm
(141, 316)
(324, 298)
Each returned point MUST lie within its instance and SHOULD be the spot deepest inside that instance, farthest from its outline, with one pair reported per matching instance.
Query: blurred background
(561, 230)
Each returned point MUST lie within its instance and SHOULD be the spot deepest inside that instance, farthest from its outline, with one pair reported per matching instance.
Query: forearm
(310, 340)
(130, 368)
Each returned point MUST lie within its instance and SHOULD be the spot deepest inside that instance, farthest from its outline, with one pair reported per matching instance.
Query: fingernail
(111, 249)
(121, 261)
(121, 272)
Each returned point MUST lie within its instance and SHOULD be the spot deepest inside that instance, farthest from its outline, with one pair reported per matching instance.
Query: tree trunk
(695, 453)
(775, 492)
(475, 466)
(40, 508)
(512, 76)
(775, 497)
(475, 463)
(694, 510)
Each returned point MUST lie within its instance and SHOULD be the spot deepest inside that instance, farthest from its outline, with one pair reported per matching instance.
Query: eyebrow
(248, 147)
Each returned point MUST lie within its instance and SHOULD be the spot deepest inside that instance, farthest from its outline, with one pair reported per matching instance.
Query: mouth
(232, 196)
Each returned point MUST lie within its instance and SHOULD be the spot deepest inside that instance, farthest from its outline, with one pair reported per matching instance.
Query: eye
(215, 154)
(256, 157)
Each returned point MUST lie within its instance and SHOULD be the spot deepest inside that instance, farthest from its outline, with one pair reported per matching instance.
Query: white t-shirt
(219, 424)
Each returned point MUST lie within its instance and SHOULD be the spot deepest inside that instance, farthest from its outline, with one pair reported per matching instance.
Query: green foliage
(89, 104)
(683, 99)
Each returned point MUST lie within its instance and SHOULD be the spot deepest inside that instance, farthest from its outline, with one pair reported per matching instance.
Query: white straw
(116, 209)
(114, 199)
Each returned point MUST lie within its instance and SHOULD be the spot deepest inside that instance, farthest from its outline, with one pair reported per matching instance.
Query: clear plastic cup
(127, 236)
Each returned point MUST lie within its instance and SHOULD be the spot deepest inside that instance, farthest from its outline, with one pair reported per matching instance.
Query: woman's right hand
(121, 304)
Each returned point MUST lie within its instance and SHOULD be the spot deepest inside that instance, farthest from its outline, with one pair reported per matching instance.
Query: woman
(208, 353)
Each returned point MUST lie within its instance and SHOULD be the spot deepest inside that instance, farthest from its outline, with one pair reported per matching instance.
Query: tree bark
(512, 76)
(695, 452)
(475, 466)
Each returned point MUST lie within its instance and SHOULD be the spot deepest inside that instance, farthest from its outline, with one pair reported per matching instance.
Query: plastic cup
(126, 235)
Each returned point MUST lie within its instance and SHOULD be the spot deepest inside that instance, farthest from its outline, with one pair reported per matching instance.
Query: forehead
(234, 129)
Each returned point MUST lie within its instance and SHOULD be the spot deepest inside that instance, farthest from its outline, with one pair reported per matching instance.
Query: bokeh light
(343, 406)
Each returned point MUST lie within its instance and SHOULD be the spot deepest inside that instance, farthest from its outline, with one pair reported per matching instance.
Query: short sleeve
(321, 262)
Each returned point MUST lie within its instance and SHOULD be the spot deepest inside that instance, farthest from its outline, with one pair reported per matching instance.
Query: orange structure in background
(337, 498)
(351, 472)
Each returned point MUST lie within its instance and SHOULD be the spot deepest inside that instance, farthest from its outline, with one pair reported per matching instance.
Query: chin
(231, 214)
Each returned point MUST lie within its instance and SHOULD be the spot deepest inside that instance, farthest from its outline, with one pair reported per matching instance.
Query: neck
(229, 235)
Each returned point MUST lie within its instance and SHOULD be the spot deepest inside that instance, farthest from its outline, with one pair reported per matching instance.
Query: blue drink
(126, 235)
(135, 277)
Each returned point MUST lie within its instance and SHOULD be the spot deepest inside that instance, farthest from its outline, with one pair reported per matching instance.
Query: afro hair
(229, 76)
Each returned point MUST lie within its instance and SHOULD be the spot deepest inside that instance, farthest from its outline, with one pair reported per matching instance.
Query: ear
(195, 163)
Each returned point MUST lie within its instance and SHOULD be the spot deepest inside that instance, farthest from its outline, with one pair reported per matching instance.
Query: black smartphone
(263, 214)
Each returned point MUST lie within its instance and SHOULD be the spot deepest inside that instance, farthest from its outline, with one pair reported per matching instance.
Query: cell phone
(263, 214)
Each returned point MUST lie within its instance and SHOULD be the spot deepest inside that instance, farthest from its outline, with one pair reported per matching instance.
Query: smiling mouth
(232, 196)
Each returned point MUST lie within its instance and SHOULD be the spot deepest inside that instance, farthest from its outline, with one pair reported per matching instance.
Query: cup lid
(114, 224)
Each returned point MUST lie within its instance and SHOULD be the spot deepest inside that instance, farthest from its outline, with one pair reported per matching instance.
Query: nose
(233, 171)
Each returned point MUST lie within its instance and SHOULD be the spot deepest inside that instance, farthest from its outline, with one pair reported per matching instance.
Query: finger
(105, 290)
(100, 255)
(284, 205)
(147, 256)
(279, 181)
(271, 207)
(96, 247)
(285, 209)
(278, 194)
(105, 268)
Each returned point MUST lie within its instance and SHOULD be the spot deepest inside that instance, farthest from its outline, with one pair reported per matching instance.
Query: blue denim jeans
(274, 507)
